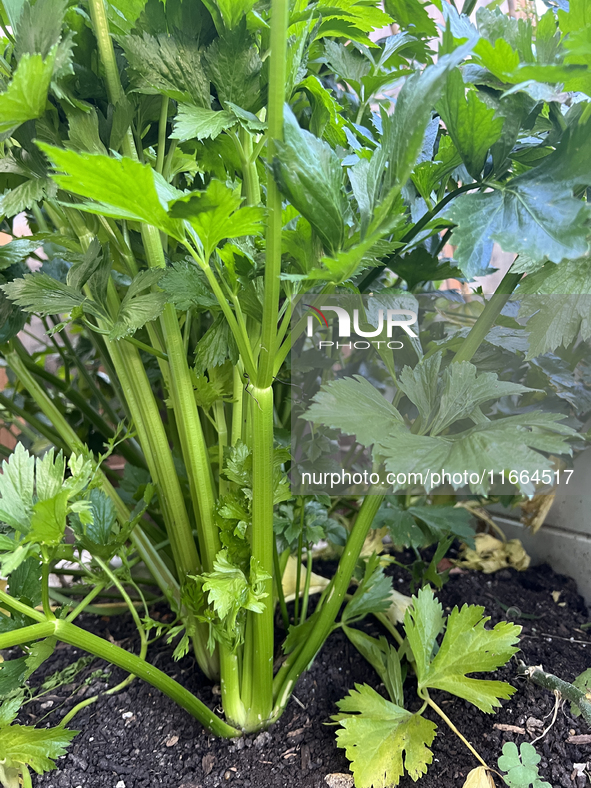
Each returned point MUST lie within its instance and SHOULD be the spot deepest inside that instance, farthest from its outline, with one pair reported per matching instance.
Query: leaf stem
(425, 695)
(162, 135)
(277, 78)
(300, 658)
(279, 586)
(487, 317)
(415, 230)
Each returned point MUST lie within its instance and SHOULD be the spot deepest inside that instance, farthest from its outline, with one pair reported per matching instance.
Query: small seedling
(521, 766)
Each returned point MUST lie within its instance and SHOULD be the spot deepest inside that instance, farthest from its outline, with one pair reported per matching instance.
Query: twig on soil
(538, 676)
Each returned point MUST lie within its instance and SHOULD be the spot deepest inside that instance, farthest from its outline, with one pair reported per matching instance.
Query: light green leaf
(16, 489)
(10, 709)
(309, 174)
(122, 188)
(123, 14)
(48, 521)
(412, 15)
(215, 215)
(49, 474)
(201, 124)
(26, 95)
(423, 623)
(234, 10)
(467, 647)
(36, 748)
(40, 651)
(12, 676)
(382, 657)
(372, 595)
(167, 65)
(583, 683)
(355, 407)
(381, 739)
(521, 766)
(472, 125)
(511, 443)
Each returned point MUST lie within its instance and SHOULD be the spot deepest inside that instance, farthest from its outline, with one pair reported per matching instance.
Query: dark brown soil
(140, 739)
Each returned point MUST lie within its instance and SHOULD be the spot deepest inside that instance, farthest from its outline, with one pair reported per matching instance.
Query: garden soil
(140, 739)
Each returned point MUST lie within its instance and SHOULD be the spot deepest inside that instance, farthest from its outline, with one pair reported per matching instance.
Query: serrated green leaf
(17, 251)
(309, 174)
(472, 125)
(26, 95)
(215, 346)
(36, 748)
(445, 520)
(49, 474)
(48, 520)
(511, 443)
(355, 407)
(215, 214)
(24, 582)
(467, 647)
(402, 527)
(372, 595)
(40, 651)
(24, 196)
(39, 27)
(423, 622)
(12, 675)
(534, 214)
(98, 533)
(122, 188)
(41, 294)
(382, 657)
(234, 66)
(167, 65)
(186, 286)
(555, 321)
(412, 15)
(200, 123)
(582, 682)
(12, 319)
(10, 709)
(16, 489)
(381, 739)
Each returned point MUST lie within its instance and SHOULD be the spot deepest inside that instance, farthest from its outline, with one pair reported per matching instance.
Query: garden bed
(141, 739)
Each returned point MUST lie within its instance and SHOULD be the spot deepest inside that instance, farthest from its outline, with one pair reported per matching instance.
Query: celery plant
(187, 168)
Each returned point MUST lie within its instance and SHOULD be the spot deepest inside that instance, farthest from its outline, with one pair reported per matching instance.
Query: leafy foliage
(381, 738)
(521, 766)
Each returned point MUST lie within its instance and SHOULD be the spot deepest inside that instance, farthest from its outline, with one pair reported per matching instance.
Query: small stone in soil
(338, 780)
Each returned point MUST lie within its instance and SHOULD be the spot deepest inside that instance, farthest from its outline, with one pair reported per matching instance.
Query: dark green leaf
(234, 66)
(25, 582)
(471, 123)
(186, 286)
(371, 596)
(39, 27)
(309, 173)
(12, 675)
(215, 346)
(168, 66)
